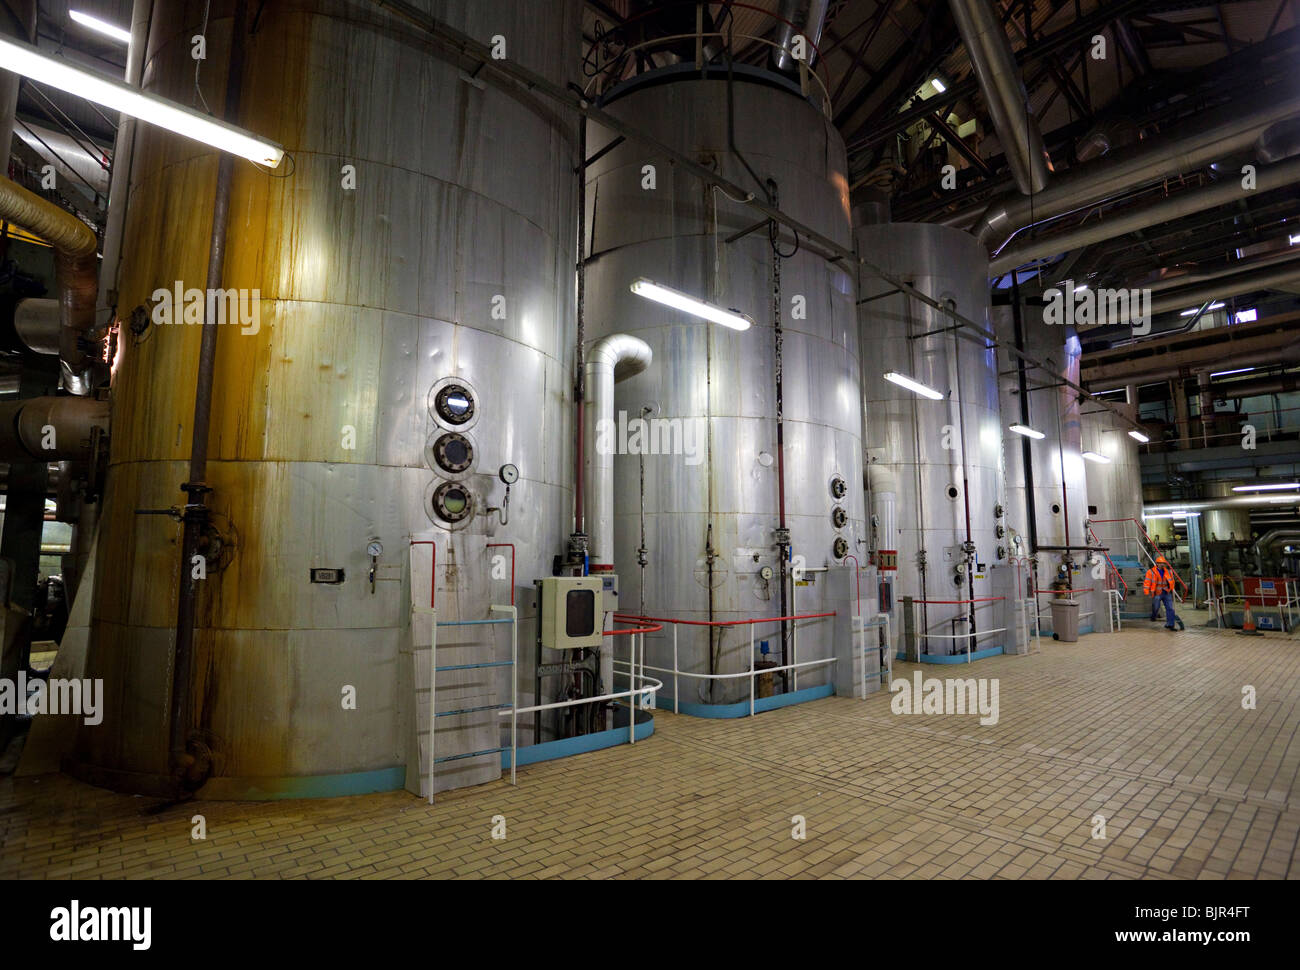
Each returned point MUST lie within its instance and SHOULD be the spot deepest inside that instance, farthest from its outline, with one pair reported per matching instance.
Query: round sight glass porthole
(453, 452)
(454, 404)
(452, 502)
(839, 518)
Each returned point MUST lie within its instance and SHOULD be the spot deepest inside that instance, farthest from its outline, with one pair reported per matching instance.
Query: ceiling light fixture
(100, 26)
(58, 73)
(1265, 488)
(1027, 432)
(916, 387)
(1138, 436)
(1093, 456)
(689, 304)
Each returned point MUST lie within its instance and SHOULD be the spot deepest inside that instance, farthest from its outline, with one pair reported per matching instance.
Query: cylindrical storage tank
(410, 271)
(945, 455)
(1050, 407)
(1114, 487)
(711, 501)
(1223, 525)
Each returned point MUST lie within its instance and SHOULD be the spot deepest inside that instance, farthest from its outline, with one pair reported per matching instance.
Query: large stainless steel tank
(1059, 497)
(1114, 489)
(710, 519)
(945, 456)
(373, 300)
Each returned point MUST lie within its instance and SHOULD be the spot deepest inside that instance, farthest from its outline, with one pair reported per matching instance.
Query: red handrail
(762, 619)
(1106, 555)
(1146, 535)
(637, 629)
(982, 599)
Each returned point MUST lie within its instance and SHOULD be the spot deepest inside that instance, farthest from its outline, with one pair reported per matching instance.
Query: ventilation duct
(999, 79)
(806, 17)
(75, 246)
(1231, 129)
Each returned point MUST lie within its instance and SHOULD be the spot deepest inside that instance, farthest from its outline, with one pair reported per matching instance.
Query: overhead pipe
(49, 429)
(995, 69)
(120, 176)
(1232, 128)
(1272, 538)
(1223, 502)
(612, 358)
(36, 324)
(806, 17)
(1256, 387)
(75, 267)
(1123, 223)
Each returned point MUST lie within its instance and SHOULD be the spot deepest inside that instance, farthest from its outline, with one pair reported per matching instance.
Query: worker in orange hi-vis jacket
(1159, 585)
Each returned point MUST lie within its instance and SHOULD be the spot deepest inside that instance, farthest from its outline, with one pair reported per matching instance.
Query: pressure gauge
(375, 549)
(509, 474)
(765, 573)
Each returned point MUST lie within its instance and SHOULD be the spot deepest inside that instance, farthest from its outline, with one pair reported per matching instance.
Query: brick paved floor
(1144, 728)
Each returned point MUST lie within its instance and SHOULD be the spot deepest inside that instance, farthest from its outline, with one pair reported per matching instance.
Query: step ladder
(435, 690)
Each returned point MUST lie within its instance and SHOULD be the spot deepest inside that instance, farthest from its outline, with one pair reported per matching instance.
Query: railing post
(676, 688)
(751, 670)
(631, 686)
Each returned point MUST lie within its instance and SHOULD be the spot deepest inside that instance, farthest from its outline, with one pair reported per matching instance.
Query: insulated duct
(75, 246)
(806, 17)
(1232, 128)
(1272, 538)
(36, 322)
(612, 358)
(995, 69)
(1184, 204)
(46, 429)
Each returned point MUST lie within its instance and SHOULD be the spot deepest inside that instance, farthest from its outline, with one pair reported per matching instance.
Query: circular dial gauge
(509, 474)
(375, 549)
(765, 573)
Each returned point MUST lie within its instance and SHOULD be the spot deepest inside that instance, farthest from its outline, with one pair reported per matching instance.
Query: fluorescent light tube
(1195, 310)
(938, 85)
(100, 26)
(1138, 436)
(1239, 370)
(689, 304)
(1093, 456)
(916, 387)
(58, 73)
(1265, 488)
(1027, 432)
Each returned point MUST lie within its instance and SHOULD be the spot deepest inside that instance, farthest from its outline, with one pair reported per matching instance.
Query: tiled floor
(1144, 728)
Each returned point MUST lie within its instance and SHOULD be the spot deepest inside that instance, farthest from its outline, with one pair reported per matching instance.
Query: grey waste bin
(1065, 620)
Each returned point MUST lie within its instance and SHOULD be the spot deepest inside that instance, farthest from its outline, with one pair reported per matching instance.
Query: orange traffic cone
(1248, 624)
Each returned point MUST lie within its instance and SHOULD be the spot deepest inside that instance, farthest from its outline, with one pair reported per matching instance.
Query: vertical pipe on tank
(1022, 384)
(184, 769)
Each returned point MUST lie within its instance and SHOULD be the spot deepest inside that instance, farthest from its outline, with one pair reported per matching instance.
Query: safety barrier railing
(968, 637)
(1115, 613)
(644, 693)
(753, 671)
(1062, 594)
(612, 68)
(1219, 601)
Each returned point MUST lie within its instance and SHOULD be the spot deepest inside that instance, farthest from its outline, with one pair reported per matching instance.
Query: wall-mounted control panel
(572, 612)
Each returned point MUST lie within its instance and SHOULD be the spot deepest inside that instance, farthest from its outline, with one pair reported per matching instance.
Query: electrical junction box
(572, 612)
(609, 592)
